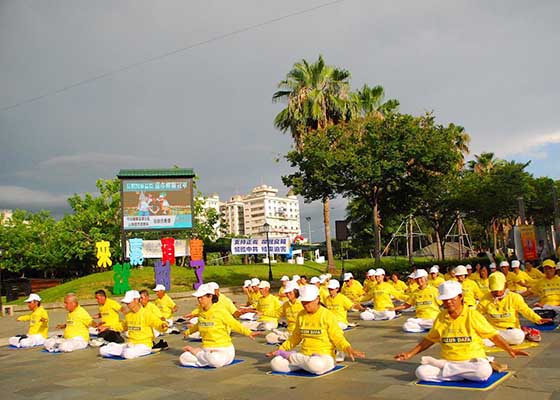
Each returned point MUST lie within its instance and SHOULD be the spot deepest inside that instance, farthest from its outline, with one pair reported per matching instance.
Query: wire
(168, 54)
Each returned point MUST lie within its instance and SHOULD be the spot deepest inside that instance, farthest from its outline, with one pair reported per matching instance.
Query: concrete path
(32, 374)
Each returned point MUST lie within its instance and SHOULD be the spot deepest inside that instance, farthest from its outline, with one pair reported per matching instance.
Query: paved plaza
(33, 374)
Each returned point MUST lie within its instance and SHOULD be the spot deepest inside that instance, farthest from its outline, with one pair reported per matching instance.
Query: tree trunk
(377, 232)
(438, 237)
(327, 222)
(410, 241)
(495, 237)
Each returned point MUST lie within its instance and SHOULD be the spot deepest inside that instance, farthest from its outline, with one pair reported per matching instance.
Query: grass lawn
(182, 278)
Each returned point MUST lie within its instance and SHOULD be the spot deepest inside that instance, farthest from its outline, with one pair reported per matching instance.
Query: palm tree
(318, 96)
(369, 101)
(483, 163)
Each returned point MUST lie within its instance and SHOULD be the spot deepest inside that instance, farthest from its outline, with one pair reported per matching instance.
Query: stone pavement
(32, 374)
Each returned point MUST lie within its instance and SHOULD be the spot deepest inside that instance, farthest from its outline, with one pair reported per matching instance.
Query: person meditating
(319, 334)
(460, 330)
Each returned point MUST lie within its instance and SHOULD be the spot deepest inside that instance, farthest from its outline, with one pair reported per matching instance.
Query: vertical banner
(528, 238)
(197, 260)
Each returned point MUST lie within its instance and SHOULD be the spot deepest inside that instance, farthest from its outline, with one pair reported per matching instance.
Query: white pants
(315, 364)
(342, 325)
(29, 341)
(260, 325)
(417, 325)
(277, 336)
(372, 315)
(56, 344)
(215, 357)
(434, 370)
(126, 350)
(548, 307)
(511, 336)
(248, 316)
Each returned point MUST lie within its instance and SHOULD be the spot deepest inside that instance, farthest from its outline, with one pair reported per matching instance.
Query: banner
(152, 248)
(528, 241)
(259, 246)
(164, 203)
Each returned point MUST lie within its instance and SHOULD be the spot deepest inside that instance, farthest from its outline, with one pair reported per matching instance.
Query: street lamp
(308, 219)
(266, 229)
(1, 253)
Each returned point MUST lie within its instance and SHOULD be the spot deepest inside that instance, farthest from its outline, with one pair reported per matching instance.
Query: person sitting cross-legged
(268, 310)
(290, 310)
(215, 324)
(426, 303)
(139, 322)
(460, 330)
(76, 328)
(382, 295)
(318, 333)
(38, 324)
(502, 307)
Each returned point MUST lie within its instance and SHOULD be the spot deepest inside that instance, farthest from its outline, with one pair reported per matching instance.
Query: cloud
(528, 144)
(24, 198)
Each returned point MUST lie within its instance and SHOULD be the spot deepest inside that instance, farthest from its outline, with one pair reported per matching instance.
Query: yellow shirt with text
(110, 314)
(77, 324)
(548, 291)
(381, 296)
(426, 302)
(339, 306)
(166, 305)
(139, 325)
(36, 326)
(503, 314)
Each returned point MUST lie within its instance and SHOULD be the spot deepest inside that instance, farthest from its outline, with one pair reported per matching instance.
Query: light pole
(1, 254)
(266, 229)
(308, 219)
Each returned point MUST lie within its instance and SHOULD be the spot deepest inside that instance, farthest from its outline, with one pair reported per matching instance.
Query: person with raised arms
(38, 324)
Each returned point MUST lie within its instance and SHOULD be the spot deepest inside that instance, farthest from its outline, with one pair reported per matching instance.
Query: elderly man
(110, 325)
(426, 303)
(139, 323)
(460, 331)
(38, 324)
(76, 328)
(268, 310)
(520, 280)
(435, 278)
(165, 303)
(533, 272)
(502, 307)
(318, 332)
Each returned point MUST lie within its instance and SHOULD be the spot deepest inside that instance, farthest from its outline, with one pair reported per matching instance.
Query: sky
(90, 87)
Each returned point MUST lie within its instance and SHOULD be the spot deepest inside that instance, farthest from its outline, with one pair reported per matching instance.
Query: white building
(246, 215)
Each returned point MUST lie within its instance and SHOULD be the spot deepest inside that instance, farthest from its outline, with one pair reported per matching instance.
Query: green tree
(317, 96)
(369, 101)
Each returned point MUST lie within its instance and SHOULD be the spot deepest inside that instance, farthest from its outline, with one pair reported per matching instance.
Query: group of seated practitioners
(471, 290)
(215, 323)
(434, 277)
(267, 309)
(38, 319)
(382, 295)
(351, 288)
(139, 322)
(319, 335)
(460, 330)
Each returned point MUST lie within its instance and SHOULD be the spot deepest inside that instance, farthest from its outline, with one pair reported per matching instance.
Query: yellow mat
(522, 346)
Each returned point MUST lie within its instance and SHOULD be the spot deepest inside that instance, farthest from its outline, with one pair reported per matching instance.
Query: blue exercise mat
(304, 374)
(495, 379)
(424, 331)
(199, 340)
(120, 358)
(48, 352)
(23, 348)
(543, 327)
(235, 361)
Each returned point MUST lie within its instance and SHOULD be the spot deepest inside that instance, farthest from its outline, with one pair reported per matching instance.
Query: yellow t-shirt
(254, 298)
(471, 292)
(400, 285)
(461, 338)
(535, 274)
(290, 311)
(139, 325)
(503, 314)
(318, 333)
(152, 308)
(426, 302)
(353, 292)
(381, 296)
(77, 324)
(548, 291)
(518, 279)
(475, 276)
(166, 305)
(215, 325)
(435, 282)
(410, 288)
(36, 326)
(323, 293)
(484, 286)
(339, 306)
(110, 314)
(270, 308)
(368, 284)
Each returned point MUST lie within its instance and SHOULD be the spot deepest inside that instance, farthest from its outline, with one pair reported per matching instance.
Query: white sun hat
(203, 290)
(348, 276)
(255, 282)
(159, 287)
(333, 284)
(379, 272)
(290, 287)
(371, 272)
(130, 295)
(460, 270)
(449, 289)
(434, 270)
(247, 283)
(420, 273)
(32, 297)
(308, 293)
(284, 278)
